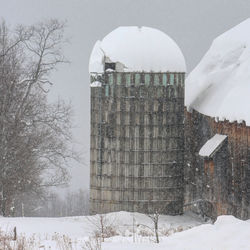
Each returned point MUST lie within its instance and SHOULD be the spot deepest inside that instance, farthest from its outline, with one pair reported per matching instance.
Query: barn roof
(220, 84)
(212, 145)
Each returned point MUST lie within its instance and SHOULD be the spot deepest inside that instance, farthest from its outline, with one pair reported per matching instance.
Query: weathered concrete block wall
(137, 143)
(221, 184)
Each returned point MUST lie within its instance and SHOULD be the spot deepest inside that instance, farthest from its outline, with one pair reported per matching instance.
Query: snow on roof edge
(219, 85)
(212, 145)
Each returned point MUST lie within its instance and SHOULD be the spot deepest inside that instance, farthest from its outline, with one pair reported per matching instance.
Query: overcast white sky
(193, 24)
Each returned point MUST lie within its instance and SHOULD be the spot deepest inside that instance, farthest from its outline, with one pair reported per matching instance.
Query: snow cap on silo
(137, 49)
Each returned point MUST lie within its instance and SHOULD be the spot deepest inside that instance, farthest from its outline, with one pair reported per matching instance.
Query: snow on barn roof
(137, 49)
(220, 85)
(212, 145)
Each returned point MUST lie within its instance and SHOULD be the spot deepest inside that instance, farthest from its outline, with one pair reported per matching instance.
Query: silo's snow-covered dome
(137, 49)
(220, 85)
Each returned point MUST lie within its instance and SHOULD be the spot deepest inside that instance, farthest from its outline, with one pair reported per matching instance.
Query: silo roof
(137, 49)
(220, 84)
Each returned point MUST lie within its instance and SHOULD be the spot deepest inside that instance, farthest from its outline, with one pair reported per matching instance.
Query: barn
(153, 151)
(217, 127)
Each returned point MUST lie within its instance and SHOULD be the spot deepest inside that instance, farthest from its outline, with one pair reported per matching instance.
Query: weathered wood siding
(223, 180)
(137, 143)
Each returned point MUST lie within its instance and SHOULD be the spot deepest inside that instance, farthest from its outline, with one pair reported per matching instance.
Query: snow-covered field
(176, 232)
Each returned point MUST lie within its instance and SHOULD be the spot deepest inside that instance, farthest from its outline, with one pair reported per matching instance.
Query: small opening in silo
(109, 66)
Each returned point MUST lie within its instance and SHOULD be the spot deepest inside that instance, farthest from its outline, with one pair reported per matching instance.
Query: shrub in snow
(93, 243)
(103, 227)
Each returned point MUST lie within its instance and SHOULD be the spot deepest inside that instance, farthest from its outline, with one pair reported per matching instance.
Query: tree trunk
(156, 232)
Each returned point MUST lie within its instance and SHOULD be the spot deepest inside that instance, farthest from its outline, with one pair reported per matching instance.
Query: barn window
(137, 79)
(107, 90)
(156, 79)
(119, 79)
(164, 79)
(147, 79)
(110, 79)
(177, 78)
(109, 66)
(128, 79)
(172, 79)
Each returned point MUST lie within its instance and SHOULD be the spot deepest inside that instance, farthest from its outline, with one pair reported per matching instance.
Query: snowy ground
(75, 232)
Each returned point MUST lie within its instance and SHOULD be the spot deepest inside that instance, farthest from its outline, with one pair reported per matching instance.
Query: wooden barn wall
(220, 185)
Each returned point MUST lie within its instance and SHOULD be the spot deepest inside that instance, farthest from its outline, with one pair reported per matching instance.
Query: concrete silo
(137, 111)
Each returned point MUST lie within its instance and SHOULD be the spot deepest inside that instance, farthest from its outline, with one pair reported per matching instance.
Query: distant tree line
(74, 203)
(35, 135)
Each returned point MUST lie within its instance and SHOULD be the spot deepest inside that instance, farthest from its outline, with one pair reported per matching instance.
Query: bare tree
(153, 229)
(154, 215)
(34, 135)
(75, 203)
(155, 219)
(103, 226)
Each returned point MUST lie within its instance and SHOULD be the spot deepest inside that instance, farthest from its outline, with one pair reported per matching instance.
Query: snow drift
(226, 233)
